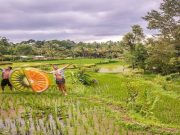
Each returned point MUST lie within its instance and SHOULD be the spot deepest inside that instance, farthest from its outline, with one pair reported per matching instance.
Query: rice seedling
(86, 128)
(102, 109)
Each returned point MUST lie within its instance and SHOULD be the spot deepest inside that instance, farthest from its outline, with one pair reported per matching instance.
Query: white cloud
(105, 39)
(80, 20)
(20, 32)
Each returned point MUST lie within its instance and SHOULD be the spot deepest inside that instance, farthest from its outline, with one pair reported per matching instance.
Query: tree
(50, 49)
(4, 41)
(164, 54)
(160, 57)
(166, 20)
(4, 45)
(140, 56)
(39, 44)
(24, 49)
(130, 40)
(138, 33)
(134, 37)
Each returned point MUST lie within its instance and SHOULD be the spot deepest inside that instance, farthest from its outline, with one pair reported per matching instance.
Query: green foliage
(160, 58)
(62, 49)
(24, 49)
(166, 19)
(141, 101)
(161, 80)
(95, 69)
(172, 77)
(83, 77)
(132, 96)
(128, 40)
(4, 45)
(138, 33)
(140, 55)
(148, 105)
(134, 37)
(164, 55)
(137, 52)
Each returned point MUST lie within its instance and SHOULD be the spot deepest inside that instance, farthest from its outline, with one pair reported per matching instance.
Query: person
(60, 78)
(5, 78)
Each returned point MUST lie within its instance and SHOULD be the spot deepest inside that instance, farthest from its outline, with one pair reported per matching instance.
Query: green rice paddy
(119, 103)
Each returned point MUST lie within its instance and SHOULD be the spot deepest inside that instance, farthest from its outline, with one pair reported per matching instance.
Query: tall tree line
(157, 54)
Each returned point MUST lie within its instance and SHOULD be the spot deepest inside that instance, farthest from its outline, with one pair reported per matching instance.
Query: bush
(161, 80)
(132, 92)
(173, 76)
(140, 101)
(83, 77)
(95, 69)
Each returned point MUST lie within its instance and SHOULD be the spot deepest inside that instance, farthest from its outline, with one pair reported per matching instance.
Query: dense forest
(160, 53)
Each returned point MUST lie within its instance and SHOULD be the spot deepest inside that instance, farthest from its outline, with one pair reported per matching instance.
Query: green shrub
(132, 95)
(173, 76)
(83, 77)
(95, 69)
(161, 80)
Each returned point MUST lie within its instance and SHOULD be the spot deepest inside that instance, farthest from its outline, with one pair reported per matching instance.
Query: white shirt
(59, 72)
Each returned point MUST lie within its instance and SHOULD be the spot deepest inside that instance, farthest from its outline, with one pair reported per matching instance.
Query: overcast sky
(78, 20)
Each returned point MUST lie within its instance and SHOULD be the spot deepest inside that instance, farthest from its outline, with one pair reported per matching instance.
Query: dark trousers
(5, 82)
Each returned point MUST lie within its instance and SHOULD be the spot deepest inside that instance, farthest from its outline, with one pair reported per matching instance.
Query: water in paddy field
(117, 69)
(72, 117)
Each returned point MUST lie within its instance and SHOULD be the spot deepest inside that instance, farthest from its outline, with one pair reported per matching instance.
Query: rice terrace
(120, 103)
(70, 78)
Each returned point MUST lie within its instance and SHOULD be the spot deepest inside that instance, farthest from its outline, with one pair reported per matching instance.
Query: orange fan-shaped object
(38, 80)
(23, 79)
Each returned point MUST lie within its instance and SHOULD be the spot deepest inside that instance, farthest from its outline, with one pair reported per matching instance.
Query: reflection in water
(117, 69)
